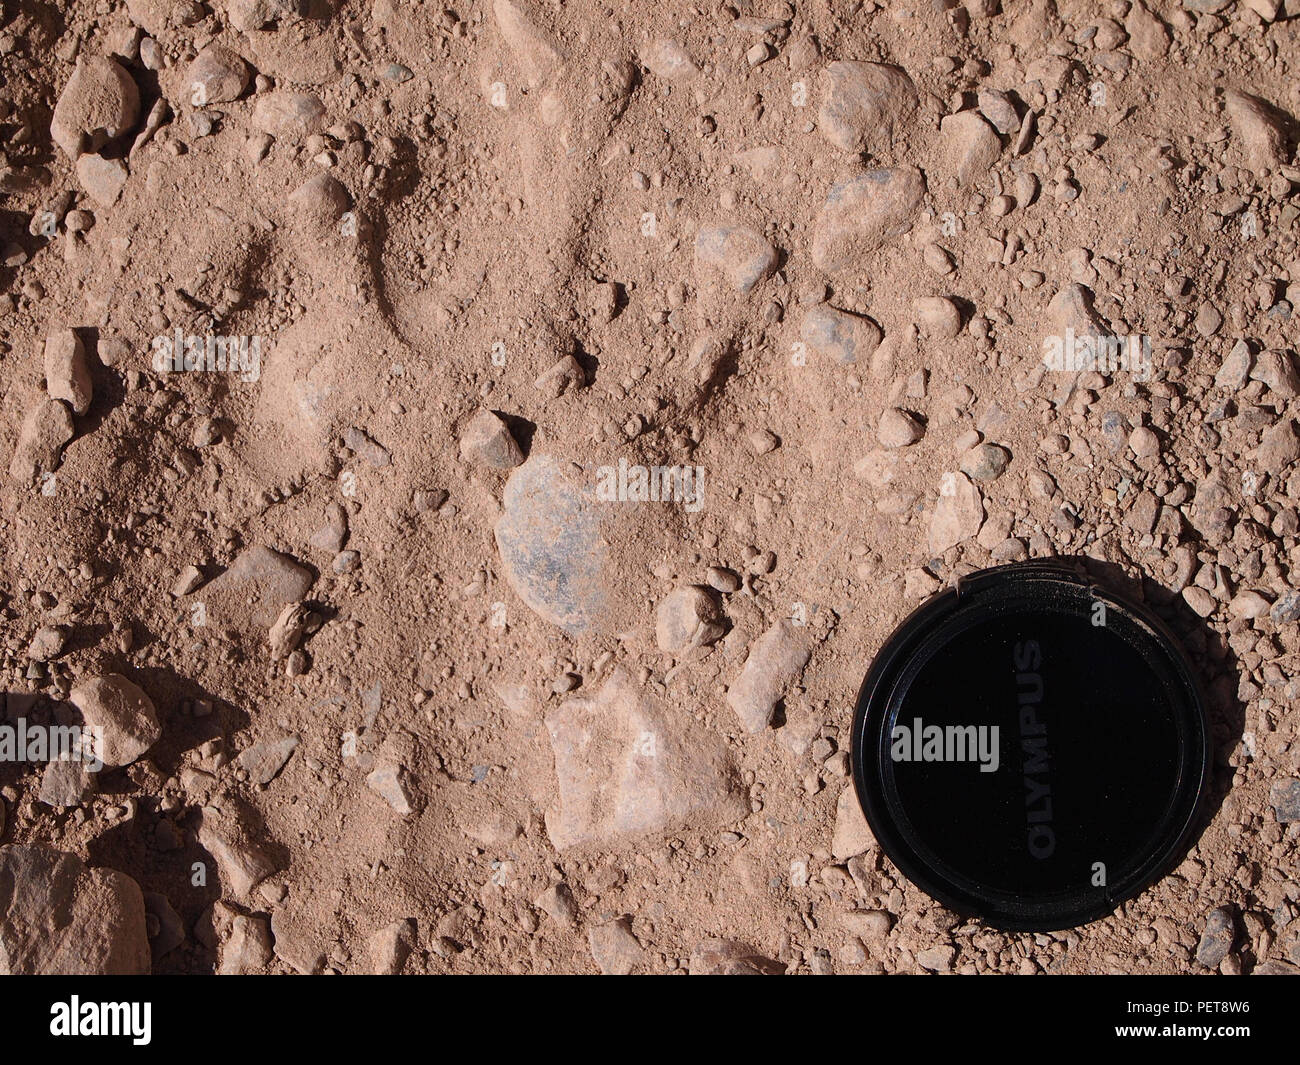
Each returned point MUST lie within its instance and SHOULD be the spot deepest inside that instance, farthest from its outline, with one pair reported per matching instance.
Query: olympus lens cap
(1030, 749)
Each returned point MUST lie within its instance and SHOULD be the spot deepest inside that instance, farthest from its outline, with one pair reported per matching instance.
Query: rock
(486, 441)
(256, 587)
(263, 761)
(627, 765)
(1148, 36)
(291, 628)
(537, 51)
(389, 782)
(565, 376)
(727, 957)
(1234, 371)
(169, 932)
(840, 336)
(1277, 370)
(299, 940)
(972, 143)
(67, 375)
(1278, 447)
(743, 256)
(864, 213)
(853, 835)
(667, 59)
(124, 715)
(937, 317)
(47, 644)
(1263, 131)
(958, 514)
(690, 616)
(1284, 795)
(220, 73)
(558, 903)
(1000, 110)
(614, 948)
(334, 533)
(552, 550)
(870, 926)
(47, 427)
(103, 179)
(283, 113)
(58, 918)
(985, 462)
(66, 784)
(99, 103)
(242, 862)
(864, 105)
(364, 447)
(391, 945)
(248, 948)
(320, 202)
(775, 663)
(1216, 938)
(898, 428)
(936, 959)
(1071, 308)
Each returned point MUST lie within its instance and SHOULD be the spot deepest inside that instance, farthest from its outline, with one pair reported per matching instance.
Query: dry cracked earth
(462, 458)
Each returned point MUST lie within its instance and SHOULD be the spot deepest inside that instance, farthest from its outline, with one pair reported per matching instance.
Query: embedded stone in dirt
(227, 837)
(690, 616)
(628, 765)
(728, 957)
(864, 105)
(852, 835)
(863, 214)
(67, 375)
(985, 462)
(103, 179)
(58, 918)
(614, 948)
(486, 440)
(219, 73)
(742, 255)
(320, 201)
(838, 335)
(258, 585)
(284, 113)
(1264, 131)
(972, 143)
(775, 663)
(123, 712)
(99, 103)
(47, 427)
(668, 59)
(551, 547)
(958, 514)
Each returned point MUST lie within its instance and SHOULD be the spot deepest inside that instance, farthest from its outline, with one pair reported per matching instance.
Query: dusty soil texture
(569, 400)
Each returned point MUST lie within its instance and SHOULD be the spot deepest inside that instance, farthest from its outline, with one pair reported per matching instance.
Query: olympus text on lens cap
(1031, 749)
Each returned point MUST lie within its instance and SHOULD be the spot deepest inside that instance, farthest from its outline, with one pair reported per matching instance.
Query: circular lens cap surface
(1030, 749)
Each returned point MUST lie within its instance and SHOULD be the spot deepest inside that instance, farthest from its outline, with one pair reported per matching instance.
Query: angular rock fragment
(242, 861)
(47, 427)
(391, 945)
(256, 587)
(628, 765)
(486, 440)
(123, 715)
(285, 113)
(67, 374)
(99, 103)
(667, 59)
(218, 75)
(1264, 131)
(614, 948)
(958, 514)
(775, 663)
(971, 143)
(58, 918)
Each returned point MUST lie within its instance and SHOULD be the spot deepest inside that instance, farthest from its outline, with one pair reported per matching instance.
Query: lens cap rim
(1045, 580)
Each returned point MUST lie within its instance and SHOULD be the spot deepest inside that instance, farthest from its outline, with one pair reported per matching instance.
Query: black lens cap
(1031, 749)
